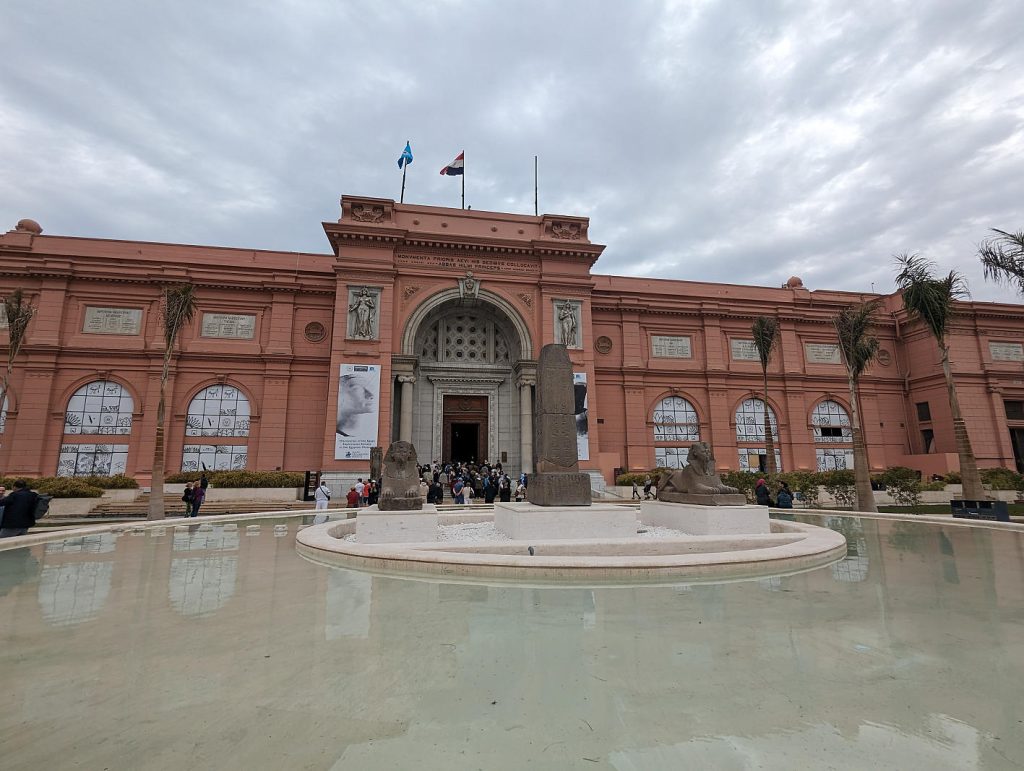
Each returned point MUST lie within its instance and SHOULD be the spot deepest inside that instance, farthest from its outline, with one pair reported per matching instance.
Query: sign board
(233, 326)
(670, 347)
(112, 321)
(743, 350)
(1006, 351)
(822, 353)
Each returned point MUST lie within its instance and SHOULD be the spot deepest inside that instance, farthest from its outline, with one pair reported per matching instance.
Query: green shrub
(744, 481)
(241, 478)
(840, 484)
(115, 482)
(1002, 479)
(903, 484)
(66, 487)
(953, 478)
(934, 487)
(627, 479)
(804, 482)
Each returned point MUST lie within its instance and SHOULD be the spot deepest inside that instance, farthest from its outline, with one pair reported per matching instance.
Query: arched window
(750, 438)
(99, 408)
(216, 411)
(675, 421)
(831, 425)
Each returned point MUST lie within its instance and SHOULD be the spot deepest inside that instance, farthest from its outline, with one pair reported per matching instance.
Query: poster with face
(358, 409)
(579, 383)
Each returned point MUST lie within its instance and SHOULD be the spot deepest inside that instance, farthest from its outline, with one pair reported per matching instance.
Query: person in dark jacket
(764, 498)
(784, 497)
(19, 510)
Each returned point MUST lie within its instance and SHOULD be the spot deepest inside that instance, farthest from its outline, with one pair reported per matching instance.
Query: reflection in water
(348, 604)
(74, 592)
(200, 540)
(98, 543)
(313, 667)
(16, 567)
(199, 586)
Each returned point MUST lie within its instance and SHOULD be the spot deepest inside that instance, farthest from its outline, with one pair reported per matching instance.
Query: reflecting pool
(226, 649)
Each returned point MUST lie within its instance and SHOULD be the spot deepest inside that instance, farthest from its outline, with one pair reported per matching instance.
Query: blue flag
(406, 157)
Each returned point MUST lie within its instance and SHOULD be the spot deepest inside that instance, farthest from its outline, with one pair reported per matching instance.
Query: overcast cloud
(720, 141)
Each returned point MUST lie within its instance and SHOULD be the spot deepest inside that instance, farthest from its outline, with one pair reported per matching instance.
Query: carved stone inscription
(822, 353)
(1006, 351)
(670, 347)
(233, 326)
(461, 264)
(557, 480)
(743, 350)
(112, 321)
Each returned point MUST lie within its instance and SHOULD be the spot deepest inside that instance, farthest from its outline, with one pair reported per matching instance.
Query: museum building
(425, 323)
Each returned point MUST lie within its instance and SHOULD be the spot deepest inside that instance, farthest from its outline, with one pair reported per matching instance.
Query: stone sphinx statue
(697, 482)
(400, 481)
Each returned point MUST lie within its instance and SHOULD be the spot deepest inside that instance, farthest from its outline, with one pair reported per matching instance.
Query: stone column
(526, 423)
(405, 414)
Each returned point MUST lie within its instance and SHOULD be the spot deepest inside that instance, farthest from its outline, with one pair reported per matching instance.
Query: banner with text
(358, 410)
(579, 382)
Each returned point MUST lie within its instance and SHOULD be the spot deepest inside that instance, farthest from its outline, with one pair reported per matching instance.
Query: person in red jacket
(352, 498)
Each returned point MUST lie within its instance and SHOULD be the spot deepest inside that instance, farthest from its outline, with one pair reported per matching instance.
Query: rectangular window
(832, 459)
(924, 412)
(1014, 410)
(831, 432)
(671, 457)
(78, 460)
(928, 440)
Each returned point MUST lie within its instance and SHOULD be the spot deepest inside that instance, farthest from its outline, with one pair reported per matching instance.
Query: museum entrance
(464, 428)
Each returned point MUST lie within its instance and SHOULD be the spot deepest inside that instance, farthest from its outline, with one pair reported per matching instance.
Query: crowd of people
(468, 482)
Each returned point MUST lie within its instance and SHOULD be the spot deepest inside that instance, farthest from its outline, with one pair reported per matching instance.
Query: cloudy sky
(741, 140)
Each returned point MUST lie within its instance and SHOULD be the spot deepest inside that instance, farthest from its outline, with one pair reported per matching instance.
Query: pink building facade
(425, 323)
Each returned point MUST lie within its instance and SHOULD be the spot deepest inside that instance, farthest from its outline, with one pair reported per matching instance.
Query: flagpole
(535, 213)
(404, 168)
(463, 180)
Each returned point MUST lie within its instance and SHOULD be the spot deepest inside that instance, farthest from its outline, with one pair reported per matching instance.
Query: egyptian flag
(454, 169)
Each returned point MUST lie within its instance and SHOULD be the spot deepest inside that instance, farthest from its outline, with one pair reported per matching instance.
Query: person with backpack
(322, 496)
(20, 510)
(186, 498)
(198, 498)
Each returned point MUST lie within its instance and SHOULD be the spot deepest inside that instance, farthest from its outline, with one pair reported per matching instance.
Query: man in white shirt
(322, 495)
(361, 492)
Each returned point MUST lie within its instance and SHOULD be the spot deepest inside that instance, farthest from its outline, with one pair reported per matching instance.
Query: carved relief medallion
(315, 331)
(603, 344)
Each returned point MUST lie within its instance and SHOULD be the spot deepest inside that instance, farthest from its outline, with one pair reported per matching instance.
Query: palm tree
(858, 349)
(19, 313)
(933, 301)
(179, 306)
(1002, 257)
(766, 337)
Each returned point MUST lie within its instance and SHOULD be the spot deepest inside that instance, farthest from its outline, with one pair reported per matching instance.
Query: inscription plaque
(670, 347)
(111, 321)
(743, 350)
(232, 326)
(1006, 351)
(822, 353)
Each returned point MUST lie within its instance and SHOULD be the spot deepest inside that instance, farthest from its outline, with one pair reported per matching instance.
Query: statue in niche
(400, 481)
(697, 482)
(568, 324)
(364, 308)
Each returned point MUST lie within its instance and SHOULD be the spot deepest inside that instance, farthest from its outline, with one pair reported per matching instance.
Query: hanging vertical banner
(579, 382)
(358, 410)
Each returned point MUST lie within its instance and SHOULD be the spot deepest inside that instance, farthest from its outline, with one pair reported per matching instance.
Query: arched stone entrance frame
(431, 385)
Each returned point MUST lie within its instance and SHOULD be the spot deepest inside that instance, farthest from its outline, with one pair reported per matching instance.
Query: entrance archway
(466, 356)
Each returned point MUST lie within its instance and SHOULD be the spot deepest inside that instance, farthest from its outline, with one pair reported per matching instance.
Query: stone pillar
(405, 414)
(526, 423)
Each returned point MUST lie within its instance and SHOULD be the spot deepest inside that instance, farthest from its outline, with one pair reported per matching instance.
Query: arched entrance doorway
(465, 381)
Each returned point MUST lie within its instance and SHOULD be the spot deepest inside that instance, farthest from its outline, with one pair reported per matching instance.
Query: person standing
(198, 497)
(186, 498)
(352, 498)
(19, 510)
(204, 483)
(360, 492)
(322, 496)
(761, 493)
(784, 497)
(505, 490)
(647, 488)
(636, 491)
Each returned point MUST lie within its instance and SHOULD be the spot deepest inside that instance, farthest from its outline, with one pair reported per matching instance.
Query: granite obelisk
(556, 480)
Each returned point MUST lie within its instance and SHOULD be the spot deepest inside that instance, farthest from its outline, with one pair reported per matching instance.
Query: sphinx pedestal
(376, 526)
(527, 521)
(694, 519)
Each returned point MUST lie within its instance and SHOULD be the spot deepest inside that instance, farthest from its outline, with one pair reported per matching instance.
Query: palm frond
(179, 309)
(926, 297)
(1002, 258)
(766, 334)
(857, 345)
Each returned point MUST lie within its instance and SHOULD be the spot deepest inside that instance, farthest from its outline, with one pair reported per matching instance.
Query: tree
(766, 337)
(1002, 257)
(932, 300)
(19, 313)
(179, 306)
(859, 349)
